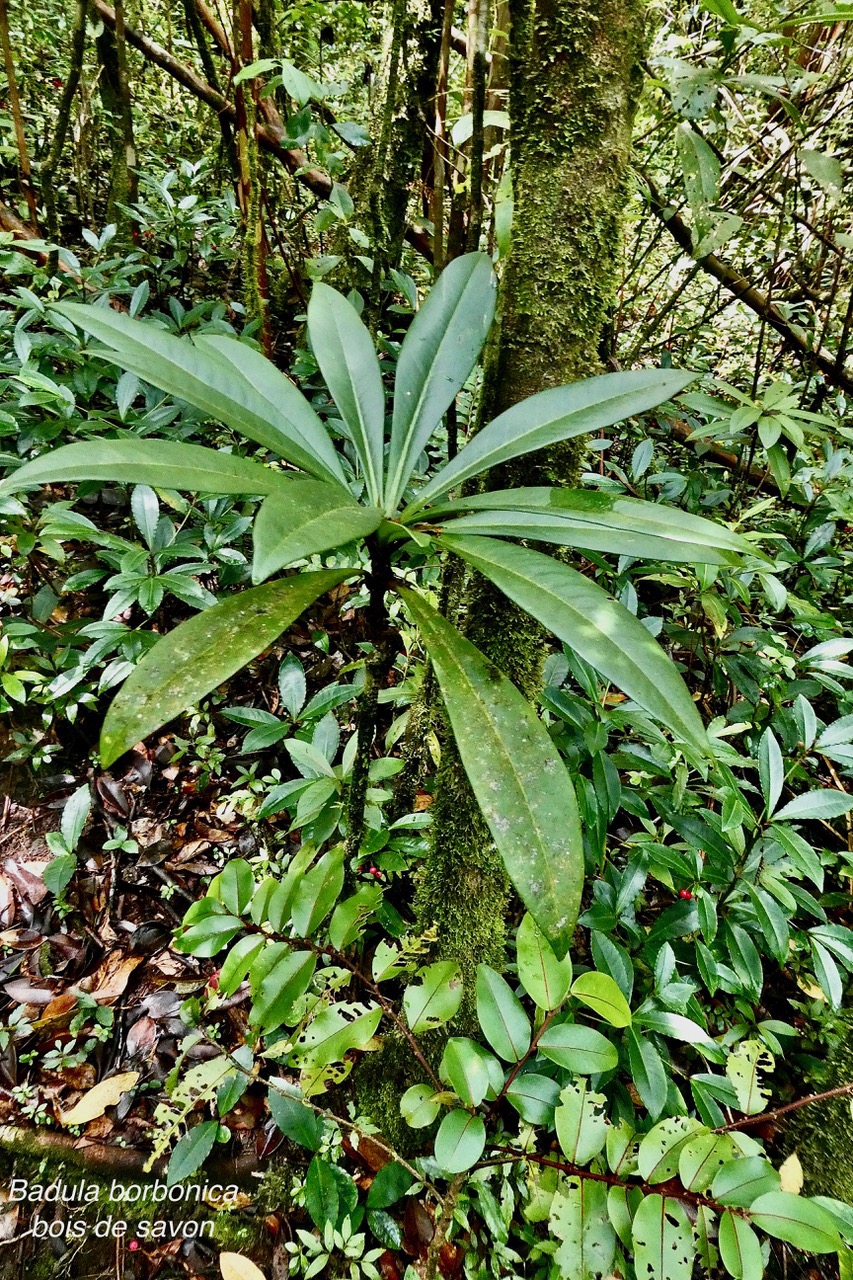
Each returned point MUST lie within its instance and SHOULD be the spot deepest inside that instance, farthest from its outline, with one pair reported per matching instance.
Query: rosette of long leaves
(319, 495)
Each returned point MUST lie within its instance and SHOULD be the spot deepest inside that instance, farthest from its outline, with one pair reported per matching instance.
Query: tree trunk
(63, 119)
(574, 83)
(115, 95)
(402, 118)
(17, 118)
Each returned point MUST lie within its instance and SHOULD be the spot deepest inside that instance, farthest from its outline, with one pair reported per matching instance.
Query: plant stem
(764, 1116)
(376, 670)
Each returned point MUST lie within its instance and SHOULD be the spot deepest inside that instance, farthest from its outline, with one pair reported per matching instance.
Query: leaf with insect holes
(435, 999)
(742, 1068)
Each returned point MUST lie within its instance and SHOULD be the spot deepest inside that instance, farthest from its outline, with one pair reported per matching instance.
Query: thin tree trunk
(63, 119)
(402, 121)
(255, 285)
(17, 118)
(115, 95)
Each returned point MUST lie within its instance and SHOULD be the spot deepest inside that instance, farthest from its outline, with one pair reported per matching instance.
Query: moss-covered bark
(574, 84)
(114, 88)
(400, 124)
(822, 1135)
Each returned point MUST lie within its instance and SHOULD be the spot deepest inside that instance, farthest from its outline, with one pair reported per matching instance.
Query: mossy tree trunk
(114, 87)
(574, 83)
(401, 119)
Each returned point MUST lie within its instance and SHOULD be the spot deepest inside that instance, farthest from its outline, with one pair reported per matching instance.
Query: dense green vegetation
(427, 723)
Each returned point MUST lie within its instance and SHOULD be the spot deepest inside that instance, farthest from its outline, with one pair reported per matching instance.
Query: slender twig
(764, 1116)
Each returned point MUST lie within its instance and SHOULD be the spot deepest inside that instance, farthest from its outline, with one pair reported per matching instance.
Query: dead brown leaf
(111, 977)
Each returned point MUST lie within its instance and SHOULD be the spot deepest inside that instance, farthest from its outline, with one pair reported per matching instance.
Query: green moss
(822, 1135)
(381, 1081)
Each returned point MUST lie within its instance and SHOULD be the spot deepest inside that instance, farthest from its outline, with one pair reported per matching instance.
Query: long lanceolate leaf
(557, 414)
(162, 464)
(307, 518)
(281, 395)
(199, 654)
(347, 360)
(596, 522)
(521, 784)
(602, 631)
(213, 384)
(436, 359)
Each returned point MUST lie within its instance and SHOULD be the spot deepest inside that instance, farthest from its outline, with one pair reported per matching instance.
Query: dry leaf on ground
(94, 1103)
(234, 1266)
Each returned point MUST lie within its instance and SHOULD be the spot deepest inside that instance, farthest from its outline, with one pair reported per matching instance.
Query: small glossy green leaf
(417, 1106)
(318, 892)
(521, 784)
(286, 981)
(647, 1072)
(308, 517)
(661, 1147)
(663, 1240)
(771, 769)
(534, 1097)
(438, 353)
(234, 886)
(796, 1220)
(238, 962)
(296, 1121)
(600, 992)
(545, 978)
(501, 1015)
(581, 1123)
(330, 1193)
(602, 631)
(390, 1185)
(203, 652)
(622, 1204)
(460, 1141)
(470, 1070)
(741, 1181)
(347, 358)
(435, 999)
(740, 1248)
(581, 1049)
(191, 1151)
(677, 1027)
(206, 928)
(162, 464)
(703, 1157)
(560, 413)
(58, 873)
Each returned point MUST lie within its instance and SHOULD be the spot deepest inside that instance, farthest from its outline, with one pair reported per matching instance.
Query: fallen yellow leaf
(791, 1173)
(95, 1102)
(235, 1267)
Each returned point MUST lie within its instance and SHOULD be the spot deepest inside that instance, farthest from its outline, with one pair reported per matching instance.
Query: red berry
(376, 873)
(685, 893)
(133, 1246)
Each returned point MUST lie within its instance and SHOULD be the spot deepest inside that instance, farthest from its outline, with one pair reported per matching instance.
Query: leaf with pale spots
(203, 652)
(522, 786)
